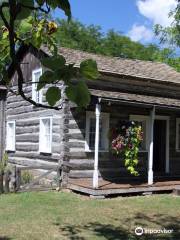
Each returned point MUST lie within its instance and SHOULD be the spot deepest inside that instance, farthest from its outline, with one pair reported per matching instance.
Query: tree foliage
(91, 39)
(29, 23)
(171, 34)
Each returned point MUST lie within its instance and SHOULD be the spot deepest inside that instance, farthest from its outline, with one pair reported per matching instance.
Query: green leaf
(71, 93)
(53, 95)
(79, 94)
(54, 62)
(65, 6)
(25, 27)
(66, 73)
(46, 77)
(25, 10)
(88, 69)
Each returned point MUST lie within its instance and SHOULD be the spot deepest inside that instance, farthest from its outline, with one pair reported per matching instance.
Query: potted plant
(126, 140)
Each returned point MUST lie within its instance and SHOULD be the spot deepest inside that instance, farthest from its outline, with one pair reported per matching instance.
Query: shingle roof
(126, 67)
(137, 98)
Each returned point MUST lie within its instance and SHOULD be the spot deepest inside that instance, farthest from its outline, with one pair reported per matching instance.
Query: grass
(53, 215)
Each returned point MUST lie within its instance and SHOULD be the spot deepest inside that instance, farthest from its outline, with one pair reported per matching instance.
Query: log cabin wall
(27, 119)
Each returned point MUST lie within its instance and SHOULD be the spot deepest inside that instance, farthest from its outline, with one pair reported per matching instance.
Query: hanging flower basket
(126, 141)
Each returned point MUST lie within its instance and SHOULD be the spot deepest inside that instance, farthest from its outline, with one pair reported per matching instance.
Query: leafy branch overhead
(58, 69)
(171, 33)
(29, 23)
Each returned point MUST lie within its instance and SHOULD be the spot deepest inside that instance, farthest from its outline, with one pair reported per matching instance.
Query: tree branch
(3, 5)
(15, 62)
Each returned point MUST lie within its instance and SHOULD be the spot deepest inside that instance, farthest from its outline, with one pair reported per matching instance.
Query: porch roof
(137, 99)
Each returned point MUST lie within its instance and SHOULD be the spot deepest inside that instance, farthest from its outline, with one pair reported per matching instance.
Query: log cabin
(142, 91)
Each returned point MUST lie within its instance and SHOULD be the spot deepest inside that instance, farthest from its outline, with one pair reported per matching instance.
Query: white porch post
(96, 154)
(150, 150)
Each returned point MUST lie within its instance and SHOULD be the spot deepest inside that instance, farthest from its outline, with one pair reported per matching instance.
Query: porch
(159, 173)
(123, 188)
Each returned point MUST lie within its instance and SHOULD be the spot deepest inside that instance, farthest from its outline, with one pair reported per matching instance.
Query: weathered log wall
(27, 119)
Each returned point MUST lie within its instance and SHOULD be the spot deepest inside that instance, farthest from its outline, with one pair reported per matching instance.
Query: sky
(134, 18)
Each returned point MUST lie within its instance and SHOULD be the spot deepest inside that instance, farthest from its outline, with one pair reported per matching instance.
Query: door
(159, 152)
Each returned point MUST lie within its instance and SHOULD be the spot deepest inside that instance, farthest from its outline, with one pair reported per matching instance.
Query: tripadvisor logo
(140, 231)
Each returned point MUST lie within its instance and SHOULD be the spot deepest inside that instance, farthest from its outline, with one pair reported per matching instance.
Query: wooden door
(159, 153)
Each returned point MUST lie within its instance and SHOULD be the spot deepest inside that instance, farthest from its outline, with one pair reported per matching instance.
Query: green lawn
(53, 215)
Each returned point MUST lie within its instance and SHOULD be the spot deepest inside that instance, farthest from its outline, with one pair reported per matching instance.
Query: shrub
(26, 177)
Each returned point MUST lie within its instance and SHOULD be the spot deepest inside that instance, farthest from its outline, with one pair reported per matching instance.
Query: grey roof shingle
(126, 67)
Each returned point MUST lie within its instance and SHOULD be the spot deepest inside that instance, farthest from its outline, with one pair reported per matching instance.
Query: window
(143, 121)
(10, 136)
(45, 135)
(178, 134)
(91, 131)
(36, 95)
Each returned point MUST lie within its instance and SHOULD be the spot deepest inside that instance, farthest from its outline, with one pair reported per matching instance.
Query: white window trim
(105, 117)
(177, 137)
(142, 118)
(40, 125)
(34, 91)
(14, 137)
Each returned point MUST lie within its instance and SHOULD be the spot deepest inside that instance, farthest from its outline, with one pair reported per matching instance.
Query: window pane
(45, 138)
(10, 136)
(37, 76)
(36, 80)
(92, 133)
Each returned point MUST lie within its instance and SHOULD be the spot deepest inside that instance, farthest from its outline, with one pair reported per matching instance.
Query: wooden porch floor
(110, 188)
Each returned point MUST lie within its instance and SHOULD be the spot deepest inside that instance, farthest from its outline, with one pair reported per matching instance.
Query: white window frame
(34, 86)
(41, 148)
(14, 136)
(177, 137)
(142, 118)
(105, 121)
